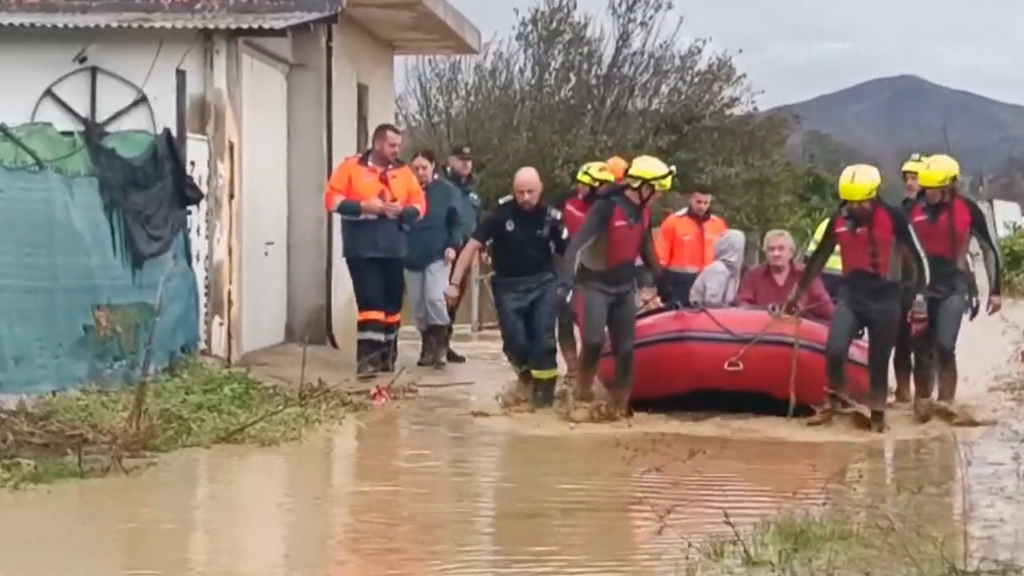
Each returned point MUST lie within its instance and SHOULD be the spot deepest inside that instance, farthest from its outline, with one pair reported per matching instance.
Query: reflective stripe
(360, 217)
(367, 335)
(371, 317)
(393, 319)
(544, 374)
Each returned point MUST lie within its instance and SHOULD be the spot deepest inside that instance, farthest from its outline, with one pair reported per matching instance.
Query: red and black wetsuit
(870, 294)
(574, 211)
(601, 260)
(945, 230)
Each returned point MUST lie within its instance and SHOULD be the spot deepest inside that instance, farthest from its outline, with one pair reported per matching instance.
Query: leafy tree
(566, 87)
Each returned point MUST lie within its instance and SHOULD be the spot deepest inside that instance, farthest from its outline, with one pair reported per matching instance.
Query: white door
(264, 205)
(199, 239)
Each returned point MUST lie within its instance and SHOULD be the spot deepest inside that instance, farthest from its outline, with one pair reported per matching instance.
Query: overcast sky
(797, 49)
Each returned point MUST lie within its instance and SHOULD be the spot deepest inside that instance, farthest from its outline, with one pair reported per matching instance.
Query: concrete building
(272, 94)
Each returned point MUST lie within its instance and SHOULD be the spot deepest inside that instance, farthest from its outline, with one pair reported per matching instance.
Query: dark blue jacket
(429, 236)
(469, 203)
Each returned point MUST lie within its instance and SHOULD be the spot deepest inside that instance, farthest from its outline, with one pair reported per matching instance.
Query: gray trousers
(426, 295)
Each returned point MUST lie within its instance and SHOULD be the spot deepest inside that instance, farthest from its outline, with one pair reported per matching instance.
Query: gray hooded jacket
(716, 285)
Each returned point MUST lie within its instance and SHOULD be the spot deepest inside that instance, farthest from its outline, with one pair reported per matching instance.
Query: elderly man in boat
(769, 284)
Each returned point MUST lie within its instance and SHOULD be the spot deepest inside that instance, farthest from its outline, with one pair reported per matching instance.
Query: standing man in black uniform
(460, 172)
(525, 236)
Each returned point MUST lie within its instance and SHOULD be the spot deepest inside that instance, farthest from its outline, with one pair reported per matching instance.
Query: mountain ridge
(883, 120)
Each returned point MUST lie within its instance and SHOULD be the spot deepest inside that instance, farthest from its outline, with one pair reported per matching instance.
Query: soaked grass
(96, 430)
(835, 545)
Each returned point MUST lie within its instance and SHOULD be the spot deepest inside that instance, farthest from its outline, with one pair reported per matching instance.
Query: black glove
(974, 306)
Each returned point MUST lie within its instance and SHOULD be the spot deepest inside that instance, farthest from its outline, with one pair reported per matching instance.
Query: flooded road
(425, 489)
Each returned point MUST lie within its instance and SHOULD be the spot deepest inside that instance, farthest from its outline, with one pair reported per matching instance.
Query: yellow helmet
(859, 182)
(650, 170)
(595, 174)
(913, 164)
(938, 171)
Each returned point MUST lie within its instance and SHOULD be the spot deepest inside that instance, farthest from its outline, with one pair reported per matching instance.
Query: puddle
(426, 489)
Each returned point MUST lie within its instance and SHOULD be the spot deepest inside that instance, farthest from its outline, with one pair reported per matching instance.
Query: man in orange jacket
(685, 243)
(377, 197)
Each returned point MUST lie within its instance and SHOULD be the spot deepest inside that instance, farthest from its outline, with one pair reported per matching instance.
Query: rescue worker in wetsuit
(832, 274)
(902, 363)
(601, 260)
(525, 235)
(589, 178)
(944, 221)
(378, 197)
(870, 233)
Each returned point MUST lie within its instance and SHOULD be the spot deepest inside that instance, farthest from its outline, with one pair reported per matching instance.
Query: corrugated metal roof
(166, 20)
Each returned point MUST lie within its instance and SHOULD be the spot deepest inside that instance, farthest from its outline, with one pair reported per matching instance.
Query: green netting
(71, 309)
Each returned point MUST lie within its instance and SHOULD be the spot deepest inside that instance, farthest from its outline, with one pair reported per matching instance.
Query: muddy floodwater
(429, 488)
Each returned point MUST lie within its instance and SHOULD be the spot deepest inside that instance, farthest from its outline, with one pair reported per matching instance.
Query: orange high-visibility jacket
(367, 235)
(687, 244)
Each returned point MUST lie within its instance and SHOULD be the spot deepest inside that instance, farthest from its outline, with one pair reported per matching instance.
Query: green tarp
(71, 310)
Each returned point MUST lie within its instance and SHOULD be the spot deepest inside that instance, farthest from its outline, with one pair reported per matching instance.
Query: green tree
(564, 88)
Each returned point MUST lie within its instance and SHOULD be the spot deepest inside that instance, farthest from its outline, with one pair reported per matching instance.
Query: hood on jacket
(730, 248)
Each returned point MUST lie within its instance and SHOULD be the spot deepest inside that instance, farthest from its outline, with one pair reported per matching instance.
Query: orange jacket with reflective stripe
(685, 243)
(368, 235)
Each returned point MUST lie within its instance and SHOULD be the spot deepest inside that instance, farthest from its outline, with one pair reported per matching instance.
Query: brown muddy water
(424, 488)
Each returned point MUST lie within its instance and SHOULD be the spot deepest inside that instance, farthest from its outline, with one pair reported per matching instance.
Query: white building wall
(358, 58)
(32, 59)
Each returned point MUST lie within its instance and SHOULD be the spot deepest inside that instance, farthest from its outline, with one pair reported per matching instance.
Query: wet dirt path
(424, 488)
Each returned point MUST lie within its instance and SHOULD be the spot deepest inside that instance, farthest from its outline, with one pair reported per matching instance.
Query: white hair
(777, 234)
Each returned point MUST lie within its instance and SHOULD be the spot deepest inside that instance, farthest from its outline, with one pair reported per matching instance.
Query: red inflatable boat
(679, 352)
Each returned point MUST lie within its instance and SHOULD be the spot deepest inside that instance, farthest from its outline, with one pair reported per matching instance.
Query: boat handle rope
(735, 362)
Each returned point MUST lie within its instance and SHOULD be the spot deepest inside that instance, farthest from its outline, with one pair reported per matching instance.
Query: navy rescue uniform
(523, 245)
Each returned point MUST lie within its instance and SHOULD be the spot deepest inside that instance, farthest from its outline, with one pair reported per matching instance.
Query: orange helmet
(617, 165)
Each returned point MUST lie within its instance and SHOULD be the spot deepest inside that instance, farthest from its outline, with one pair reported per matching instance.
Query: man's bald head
(527, 187)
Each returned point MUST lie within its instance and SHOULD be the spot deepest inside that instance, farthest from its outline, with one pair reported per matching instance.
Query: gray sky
(797, 49)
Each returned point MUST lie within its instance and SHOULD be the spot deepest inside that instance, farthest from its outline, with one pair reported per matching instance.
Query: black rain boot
(425, 348)
(389, 355)
(947, 384)
(544, 392)
(878, 420)
(366, 362)
(438, 345)
(451, 355)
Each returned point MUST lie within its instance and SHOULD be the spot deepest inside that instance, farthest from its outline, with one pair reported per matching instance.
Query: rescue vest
(943, 231)
(574, 212)
(868, 246)
(686, 244)
(834, 264)
(623, 237)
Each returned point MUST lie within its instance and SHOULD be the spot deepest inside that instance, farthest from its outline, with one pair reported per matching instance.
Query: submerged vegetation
(95, 430)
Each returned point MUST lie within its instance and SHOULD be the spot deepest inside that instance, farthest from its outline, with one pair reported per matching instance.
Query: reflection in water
(424, 491)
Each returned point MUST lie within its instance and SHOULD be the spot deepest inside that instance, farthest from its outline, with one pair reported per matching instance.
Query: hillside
(883, 120)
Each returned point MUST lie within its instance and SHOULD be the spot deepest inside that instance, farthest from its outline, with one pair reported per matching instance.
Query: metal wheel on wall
(99, 81)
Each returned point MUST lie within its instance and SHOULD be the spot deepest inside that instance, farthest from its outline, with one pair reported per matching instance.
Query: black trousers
(877, 311)
(379, 286)
(613, 310)
(935, 348)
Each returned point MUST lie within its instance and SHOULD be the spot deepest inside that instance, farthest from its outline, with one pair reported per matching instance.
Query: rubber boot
(878, 420)
(585, 383)
(826, 413)
(438, 342)
(544, 392)
(451, 355)
(923, 376)
(572, 363)
(424, 359)
(947, 384)
(389, 356)
(367, 365)
(902, 394)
